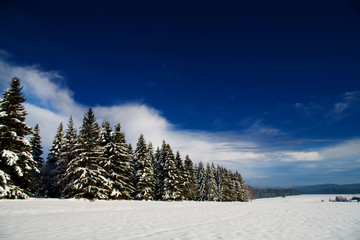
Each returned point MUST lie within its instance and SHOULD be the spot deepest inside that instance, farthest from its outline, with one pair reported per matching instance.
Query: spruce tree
(212, 191)
(227, 185)
(201, 178)
(119, 166)
(67, 154)
(36, 151)
(144, 173)
(88, 176)
(160, 155)
(171, 189)
(180, 174)
(51, 177)
(241, 190)
(159, 172)
(16, 160)
(190, 183)
(219, 181)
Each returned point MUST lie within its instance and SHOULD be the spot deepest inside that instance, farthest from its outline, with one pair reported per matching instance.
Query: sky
(267, 88)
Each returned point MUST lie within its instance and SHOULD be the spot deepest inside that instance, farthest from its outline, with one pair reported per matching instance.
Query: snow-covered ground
(297, 217)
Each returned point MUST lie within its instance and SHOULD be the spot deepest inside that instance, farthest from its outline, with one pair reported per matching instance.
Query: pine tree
(241, 190)
(36, 151)
(212, 191)
(158, 172)
(144, 173)
(171, 190)
(51, 177)
(190, 184)
(119, 166)
(66, 155)
(88, 176)
(227, 185)
(218, 180)
(201, 178)
(180, 174)
(16, 160)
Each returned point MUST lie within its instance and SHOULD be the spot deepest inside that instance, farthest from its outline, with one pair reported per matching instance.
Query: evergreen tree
(16, 160)
(180, 174)
(158, 172)
(227, 185)
(201, 178)
(171, 190)
(66, 155)
(219, 181)
(36, 151)
(212, 191)
(144, 174)
(241, 191)
(88, 176)
(190, 184)
(120, 166)
(51, 177)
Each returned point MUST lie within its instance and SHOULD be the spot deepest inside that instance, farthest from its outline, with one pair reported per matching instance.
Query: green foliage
(144, 172)
(16, 159)
(36, 150)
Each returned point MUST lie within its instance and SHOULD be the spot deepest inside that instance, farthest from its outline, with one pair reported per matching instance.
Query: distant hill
(273, 192)
(329, 189)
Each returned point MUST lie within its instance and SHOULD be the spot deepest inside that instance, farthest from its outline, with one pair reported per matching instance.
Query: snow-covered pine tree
(158, 173)
(233, 186)
(171, 190)
(219, 181)
(227, 185)
(201, 178)
(89, 178)
(66, 155)
(159, 163)
(180, 174)
(120, 166)
(241, 191)
(190, 184)
(144, 173)
(16, 161)
(50, 178)
(212, 191)
(151, 152)
(106, 135)
(36, 150)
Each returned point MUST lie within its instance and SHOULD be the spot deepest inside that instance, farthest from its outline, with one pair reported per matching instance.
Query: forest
(96, 162)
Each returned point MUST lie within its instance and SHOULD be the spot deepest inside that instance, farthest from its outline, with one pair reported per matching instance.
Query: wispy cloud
(347, 106)
(51, 102)
(258, 128)
(331, 110)
(301, 156)
(309, 109)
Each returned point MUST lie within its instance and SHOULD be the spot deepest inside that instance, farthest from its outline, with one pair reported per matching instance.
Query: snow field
(296, 217)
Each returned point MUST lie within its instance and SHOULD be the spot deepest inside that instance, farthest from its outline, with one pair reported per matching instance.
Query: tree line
(97, 163)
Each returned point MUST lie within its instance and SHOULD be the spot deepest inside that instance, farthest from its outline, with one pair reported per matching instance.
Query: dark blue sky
(284, 68)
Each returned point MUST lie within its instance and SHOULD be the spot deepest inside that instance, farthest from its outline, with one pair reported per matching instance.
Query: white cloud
(301, 156)
(346, 107)
(259, 128)
(47, 120)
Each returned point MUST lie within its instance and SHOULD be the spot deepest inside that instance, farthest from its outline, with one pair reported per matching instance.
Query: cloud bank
(51, 102)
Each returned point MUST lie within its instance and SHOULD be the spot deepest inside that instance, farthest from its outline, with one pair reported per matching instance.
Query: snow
(11, 157)
(296, 217)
